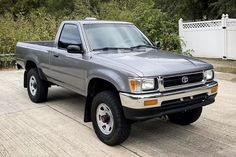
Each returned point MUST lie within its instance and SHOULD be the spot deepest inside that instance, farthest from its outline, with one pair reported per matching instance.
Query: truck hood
(155, 62)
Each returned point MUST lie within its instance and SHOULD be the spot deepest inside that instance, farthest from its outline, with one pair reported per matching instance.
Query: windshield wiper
(123, 48)
(139, 46)
(111, 48)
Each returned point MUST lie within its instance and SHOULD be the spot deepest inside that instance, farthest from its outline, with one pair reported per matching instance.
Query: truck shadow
(159, 136)
(57, 94)
(71, 100)
(151, 136)
(157, 127)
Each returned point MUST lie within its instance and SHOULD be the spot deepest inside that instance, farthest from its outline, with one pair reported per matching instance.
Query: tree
(194, 10)
(223, 7)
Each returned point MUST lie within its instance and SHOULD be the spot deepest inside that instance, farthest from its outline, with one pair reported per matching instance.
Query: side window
(69, 36)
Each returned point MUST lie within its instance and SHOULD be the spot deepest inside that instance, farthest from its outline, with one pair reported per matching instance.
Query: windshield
(104, 36)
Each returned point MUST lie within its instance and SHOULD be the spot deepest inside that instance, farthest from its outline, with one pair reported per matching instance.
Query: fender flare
(39, 70)
(108, 77)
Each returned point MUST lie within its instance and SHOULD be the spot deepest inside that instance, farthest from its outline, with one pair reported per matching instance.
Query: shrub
(36, 26)
(158, 26)
(41, 24)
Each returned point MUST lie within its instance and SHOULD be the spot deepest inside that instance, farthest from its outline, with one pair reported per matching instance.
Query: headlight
(139, 85)
(209, 74)
(148, 84)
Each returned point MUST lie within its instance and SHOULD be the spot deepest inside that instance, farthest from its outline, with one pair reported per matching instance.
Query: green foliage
(223, 7)
(39, 19)
(194, 10)
(32, 20)
(36, 26)
(158, 26)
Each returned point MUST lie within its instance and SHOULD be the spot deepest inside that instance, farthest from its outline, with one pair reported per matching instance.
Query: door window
(69, 36)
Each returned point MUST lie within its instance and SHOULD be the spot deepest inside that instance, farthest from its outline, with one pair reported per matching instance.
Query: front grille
(178, 80)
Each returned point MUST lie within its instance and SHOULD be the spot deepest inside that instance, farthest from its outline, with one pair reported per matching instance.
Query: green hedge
(34, 27)
(7, 62)
(37, 26)
(42, 25)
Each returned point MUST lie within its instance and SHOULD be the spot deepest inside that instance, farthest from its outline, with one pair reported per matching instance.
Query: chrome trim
(184, 86)
(160, 81)
(183, 74)
(136, 101)
(163, 88)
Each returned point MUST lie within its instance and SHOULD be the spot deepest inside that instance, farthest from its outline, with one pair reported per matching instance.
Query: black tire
(187, 117)
(41, 86)
(122, 126)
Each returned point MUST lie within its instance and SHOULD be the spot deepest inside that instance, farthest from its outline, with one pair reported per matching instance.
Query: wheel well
(29, 65)
(95, 86)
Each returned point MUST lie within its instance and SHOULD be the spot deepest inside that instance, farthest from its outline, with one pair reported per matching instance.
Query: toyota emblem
(184, 79)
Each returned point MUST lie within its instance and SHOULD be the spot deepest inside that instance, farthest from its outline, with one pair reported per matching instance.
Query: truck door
(67, 69)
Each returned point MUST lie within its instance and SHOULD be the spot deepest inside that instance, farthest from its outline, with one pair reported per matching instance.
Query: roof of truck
(95, 21)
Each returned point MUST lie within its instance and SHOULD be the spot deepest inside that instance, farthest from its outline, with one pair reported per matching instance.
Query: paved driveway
(56, 128)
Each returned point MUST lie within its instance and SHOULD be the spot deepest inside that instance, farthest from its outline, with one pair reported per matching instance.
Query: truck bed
(33, 49)
(41, 43)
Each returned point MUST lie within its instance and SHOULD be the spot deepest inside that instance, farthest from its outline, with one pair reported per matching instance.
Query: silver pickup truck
(123, 75)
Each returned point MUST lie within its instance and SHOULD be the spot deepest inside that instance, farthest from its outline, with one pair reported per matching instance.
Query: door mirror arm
(157, 44)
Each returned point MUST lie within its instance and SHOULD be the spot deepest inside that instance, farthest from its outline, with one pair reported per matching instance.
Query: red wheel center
(105, 118)
(35, 85)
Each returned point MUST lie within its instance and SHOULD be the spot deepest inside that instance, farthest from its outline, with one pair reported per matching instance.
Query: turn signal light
(133, 85)
(150, 102)
(214, 89)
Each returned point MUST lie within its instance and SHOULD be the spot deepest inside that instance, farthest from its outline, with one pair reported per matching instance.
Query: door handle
(56, 55)
(53, 53)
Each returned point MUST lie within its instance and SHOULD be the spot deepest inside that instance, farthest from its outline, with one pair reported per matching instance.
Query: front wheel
(108, 119)
(186, 117)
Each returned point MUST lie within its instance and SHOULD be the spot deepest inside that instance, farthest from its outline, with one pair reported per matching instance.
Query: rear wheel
(186, 117)
(108, 119)
(37, 88)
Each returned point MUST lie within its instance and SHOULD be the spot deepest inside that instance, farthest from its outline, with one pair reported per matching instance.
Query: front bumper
(168, 102)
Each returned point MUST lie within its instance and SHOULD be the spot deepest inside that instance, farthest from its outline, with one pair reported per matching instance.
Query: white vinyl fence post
(226, 36)
(224, 26)
(181, 32)
(180, 27)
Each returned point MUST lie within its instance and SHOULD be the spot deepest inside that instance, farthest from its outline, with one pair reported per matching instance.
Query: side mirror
(157, 44)
(74, 49)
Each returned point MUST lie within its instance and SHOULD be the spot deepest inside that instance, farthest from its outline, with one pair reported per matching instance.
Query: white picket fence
(210, 39)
